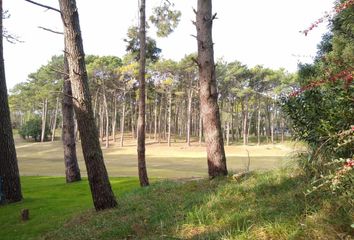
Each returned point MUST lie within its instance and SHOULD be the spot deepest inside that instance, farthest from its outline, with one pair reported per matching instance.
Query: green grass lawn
(269, 205)
(51, 203)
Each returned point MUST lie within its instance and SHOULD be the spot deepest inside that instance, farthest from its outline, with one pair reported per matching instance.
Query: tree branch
(50, 30)
(44, 6)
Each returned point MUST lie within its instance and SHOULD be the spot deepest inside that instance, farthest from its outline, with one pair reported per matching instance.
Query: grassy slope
(263, 206)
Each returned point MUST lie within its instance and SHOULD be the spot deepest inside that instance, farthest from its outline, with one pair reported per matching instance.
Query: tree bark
(155, 118)
(245, 122)
(208, 92)
(9, 174)
(272, 113)
(102, 194)
(44, 119)
(259, 122)
(122, 122)
(200, 129)
(72, 171)
(189, 116)
(55, 119)
(114, 117)
(143, 177)
(105, 106)
(169, 117)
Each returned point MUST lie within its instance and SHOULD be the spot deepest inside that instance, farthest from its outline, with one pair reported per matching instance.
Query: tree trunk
(200, 129)
(169, 117)
(259, 123)
(101, 122)
(133, 118)
(122, 121)
(208, 92)
(44, 119)
(272, 113)
(105, 106)
(282, 128)
(55, 119)
(10, 184)
(228, 133)
(72, 171)
(189, 116)
(245, 122)
(143, 177)
(102, 194)
(159, 122)
(114, 117)
(155, 119)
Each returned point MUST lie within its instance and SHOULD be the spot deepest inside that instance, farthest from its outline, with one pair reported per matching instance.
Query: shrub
(32, 130)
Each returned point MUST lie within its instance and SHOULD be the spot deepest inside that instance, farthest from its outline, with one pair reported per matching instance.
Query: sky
(253, 32)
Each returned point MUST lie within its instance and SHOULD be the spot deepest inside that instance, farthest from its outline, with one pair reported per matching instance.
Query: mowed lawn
(177, 161)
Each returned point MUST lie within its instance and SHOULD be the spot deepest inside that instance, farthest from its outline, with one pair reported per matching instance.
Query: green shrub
(32, 130)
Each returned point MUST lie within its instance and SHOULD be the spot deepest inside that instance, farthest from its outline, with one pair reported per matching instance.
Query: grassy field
(264, 205)
(177, 161)
(268, 205)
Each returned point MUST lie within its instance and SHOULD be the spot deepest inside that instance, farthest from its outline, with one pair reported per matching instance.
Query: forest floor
(177, 161)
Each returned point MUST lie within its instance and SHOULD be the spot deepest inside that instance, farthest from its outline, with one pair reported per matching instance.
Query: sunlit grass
(177, 161)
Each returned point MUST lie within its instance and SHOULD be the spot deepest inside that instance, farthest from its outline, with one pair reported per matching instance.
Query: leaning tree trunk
(208, 92)
(102, 194)
(72, 171)
(143, 177)
(9, 175)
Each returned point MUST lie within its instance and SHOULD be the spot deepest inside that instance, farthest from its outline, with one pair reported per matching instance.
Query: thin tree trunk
(169, 118)
(272, 122)
(95, 103)
(143, 177)
(72, 171)
(55, 119)
(259, 123)
(282, 129)
(114, 117)
(208, 91)
(155, 119)
(165, 124)
(9, 173)
(245, 122)
(102, 194)
(159, 122)
(44, 119)
(200, 129)
(227, 133)
(189, 116)
(133, 119)
(101, 122)
(122, 121)
(105, 106)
